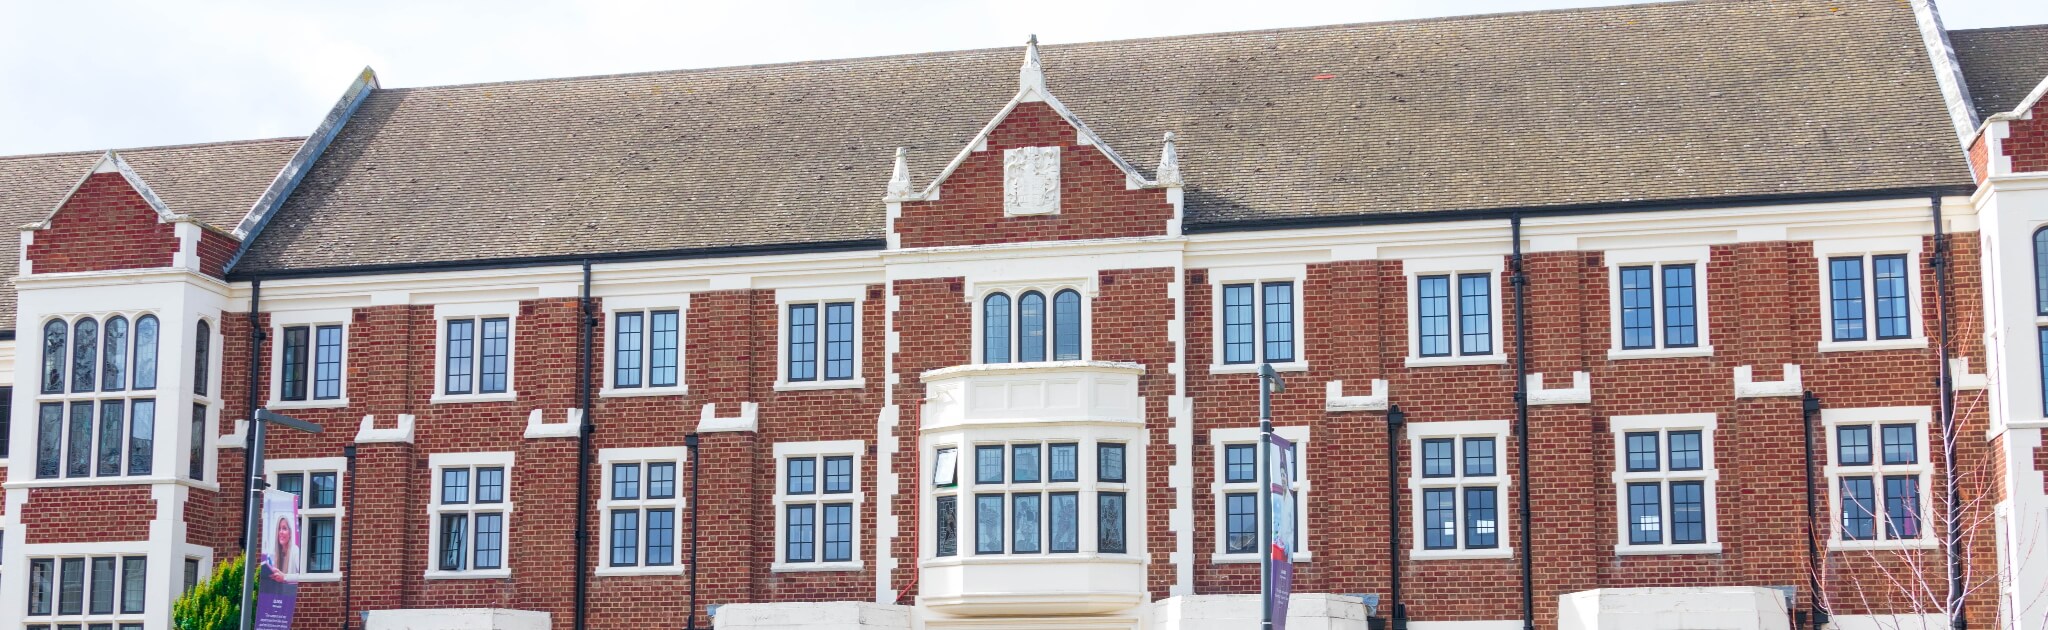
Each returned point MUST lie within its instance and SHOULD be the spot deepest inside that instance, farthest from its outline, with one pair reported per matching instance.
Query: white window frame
(784, 451)
(607, 458)
(1413, 269)
(1016, 291)
(1220, 440)
(1258, 277)
(1868, 248)
(169, 393)
(785, 298)
(646, 305)
(272, 468)
(1699, 258)
(1087, 488)
(435, 464)
(210, 444)
(477, 311)
(1876, 417)
(1419, 431)
(57, 554)
(1663, 425)
(312, 320)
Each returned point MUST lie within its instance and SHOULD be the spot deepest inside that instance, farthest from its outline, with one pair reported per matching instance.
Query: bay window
(96, 408)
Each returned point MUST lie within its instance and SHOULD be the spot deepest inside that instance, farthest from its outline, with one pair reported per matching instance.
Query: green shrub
(212, 603)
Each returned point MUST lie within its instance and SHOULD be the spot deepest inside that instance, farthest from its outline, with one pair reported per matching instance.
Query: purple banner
(277, 592)
(1280, 478)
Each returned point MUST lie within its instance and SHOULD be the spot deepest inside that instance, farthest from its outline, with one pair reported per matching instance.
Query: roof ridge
(193, 145)
(2014, 27)
(1099, 42)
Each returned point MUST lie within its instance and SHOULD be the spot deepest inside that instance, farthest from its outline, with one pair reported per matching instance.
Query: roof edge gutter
(295, 169)
(1622, 207)
(875, 244)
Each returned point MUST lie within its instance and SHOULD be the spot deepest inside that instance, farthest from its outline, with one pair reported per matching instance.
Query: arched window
(145, 352)
(1031, 327)
(2041, 271)
(995, 328)
(1066, 322)
(202, 358)
(115, 367)
(55, 342)
(85, 352)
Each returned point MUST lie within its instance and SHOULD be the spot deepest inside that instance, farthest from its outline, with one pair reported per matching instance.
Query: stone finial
(899, 179)
(1169, 164)
(1032, 75)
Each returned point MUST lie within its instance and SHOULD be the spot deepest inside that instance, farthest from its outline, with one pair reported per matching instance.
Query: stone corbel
(536, 429)
(1746, 387)
(368, 433)
(748, 421)
(1960, 377)
(1581, 391)
(1335, 400)
(238, 439)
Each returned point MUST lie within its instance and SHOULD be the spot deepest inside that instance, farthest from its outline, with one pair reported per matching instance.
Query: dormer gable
(110, 221)
(1035, 172)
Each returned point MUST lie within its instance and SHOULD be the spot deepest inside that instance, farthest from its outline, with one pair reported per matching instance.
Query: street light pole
(1269, 383)
(254, 527)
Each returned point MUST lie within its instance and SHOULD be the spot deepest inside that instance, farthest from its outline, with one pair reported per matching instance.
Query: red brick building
(1745, 281)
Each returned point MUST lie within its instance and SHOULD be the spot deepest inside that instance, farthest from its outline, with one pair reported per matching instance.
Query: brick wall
(2028, 143)
(105, 225)
(89, 514)
(215, 249)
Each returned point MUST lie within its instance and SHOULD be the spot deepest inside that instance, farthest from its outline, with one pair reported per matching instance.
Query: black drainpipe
(691, 442)
(1522, 423)
(1809, 408)
(583, 459)
(255, 367)
(1958, 620)
(348, 543)
(1396, 611)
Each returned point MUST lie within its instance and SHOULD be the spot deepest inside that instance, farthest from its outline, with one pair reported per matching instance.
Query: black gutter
(589, 322)
(1612, 207)
(1816, 615)
(691, 442)
(570, 259)
(348, 549)
(1397, 613)
(255, 367)
(1522, 423)
(1958, 619)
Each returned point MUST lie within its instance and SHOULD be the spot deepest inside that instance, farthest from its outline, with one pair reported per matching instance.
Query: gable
(106, 224)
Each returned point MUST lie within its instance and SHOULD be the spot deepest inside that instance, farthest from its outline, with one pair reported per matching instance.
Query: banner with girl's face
(277, 592)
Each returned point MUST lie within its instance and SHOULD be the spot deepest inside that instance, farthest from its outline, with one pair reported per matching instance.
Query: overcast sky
(96, 75)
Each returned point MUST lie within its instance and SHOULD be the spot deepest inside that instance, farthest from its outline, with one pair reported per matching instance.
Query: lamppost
(1269, 384)
(252, 530)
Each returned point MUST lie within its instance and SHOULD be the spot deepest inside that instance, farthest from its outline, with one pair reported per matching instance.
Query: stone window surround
(312, 320)
(1663, 424)
(678, 302)
(784, 298)
(1700, 257)
(1220, 440)
(783, 452)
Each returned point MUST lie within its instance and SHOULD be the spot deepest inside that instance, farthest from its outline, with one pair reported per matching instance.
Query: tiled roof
(1653, 102)
(215, 183)
(2001, 65)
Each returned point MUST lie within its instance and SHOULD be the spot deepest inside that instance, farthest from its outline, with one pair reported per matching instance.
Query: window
(2041, 271)
(95, 416)
(6, 421)
(317, 482)
(1458, 489)
(646, 347)
(1867, 299)
(476, 351)
(1664, 480)
(818, 505)
(1452, 311)
(1028, 330)
(640, 504)
(1027, 498)
(107, 589)
(1878, 468)
(1659, 306)
(469, 514)
(1236, 493)
(820, 338)
(195, 459)
(309, 363)
(1258, 322)
(202, 359)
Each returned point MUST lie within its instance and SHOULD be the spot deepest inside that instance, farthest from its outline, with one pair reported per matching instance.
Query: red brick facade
(105, 225)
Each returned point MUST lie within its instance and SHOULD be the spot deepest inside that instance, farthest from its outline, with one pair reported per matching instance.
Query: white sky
(96, 75)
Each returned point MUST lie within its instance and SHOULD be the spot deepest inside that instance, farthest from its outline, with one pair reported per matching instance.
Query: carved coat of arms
(1031, 180)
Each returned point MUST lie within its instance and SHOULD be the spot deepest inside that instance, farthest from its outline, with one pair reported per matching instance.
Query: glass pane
(1681, 324)
(1279, 321)
(1238, 332)
(454, 539)
(1031, 327)
(666, 341)
(1688, 512)
(1901, 444)
(988, 523)
(1241, 522)
(111, 419)
(327, 363)
(1638, 308)
(839, 341)
(461, 345)
(1109, 529)
(145, 352)
(625, 538)
(1433, 316)
(995, 328)
(1859, 509)
(78, 457)
(292, 364)
(800, 527)
(49, 439)
(202, 359)
(322, 497)
(1481, 523)
(1475, 313)
(803, 342)
(1110, 462)
(320, 545)
(1686, 453)
(1902, 506)
(1440, 518)
(71, 587)
(1438, 458)
(946, 522)
(838, 475)
(490, 534)
(661, 480)
(1845, 284)
(626, 349)
(115, 367)
(1066, 522)
(195, 459)
(56, 347)
(497, 346)
(39, 582)
(2041, 271)
(490, 485)
(625, 481)
(945, 468)
(1888, 279)
(1024, 532)
(455, 485)
(1240, 463)
(1066, 319)
(1643, 452)
(85, 352)
(661, 538)
(803, 476)
(1479, 457)
(1066, 462)
(142, 437)
(838, 532)
(1852, 446)
(1024, 463)
(988, 464)
(294, 483)
(1645, 514)
(103, 577)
